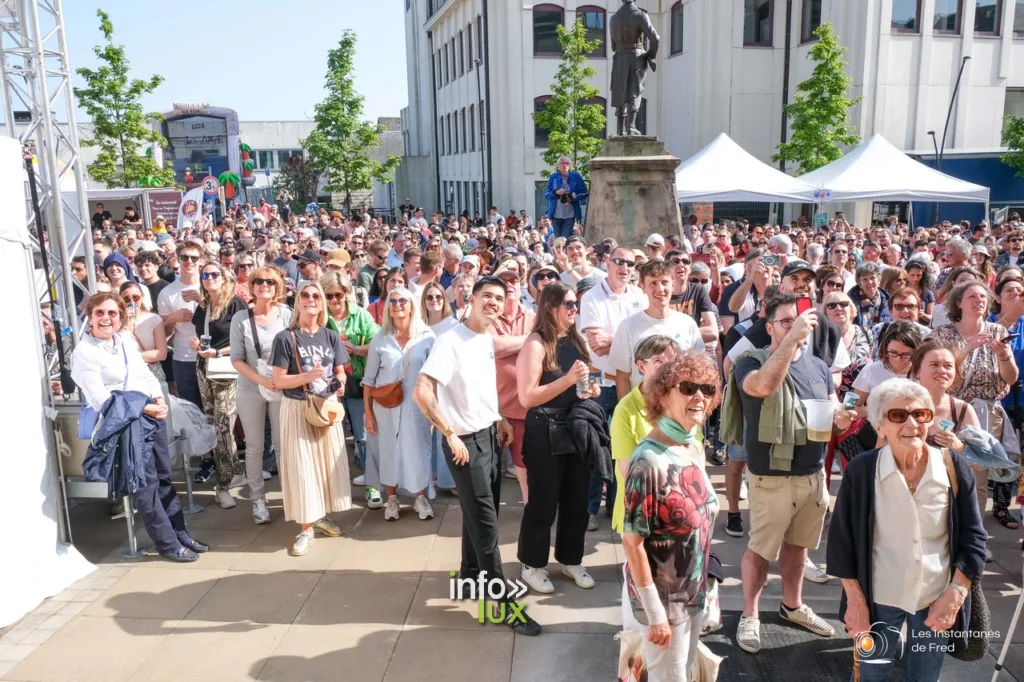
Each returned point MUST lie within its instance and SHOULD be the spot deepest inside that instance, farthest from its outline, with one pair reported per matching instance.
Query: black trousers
(479, 485)
(556, 483)
(158, 503)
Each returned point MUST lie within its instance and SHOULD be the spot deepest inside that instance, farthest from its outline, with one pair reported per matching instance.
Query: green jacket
(359, 328)
(782, 424)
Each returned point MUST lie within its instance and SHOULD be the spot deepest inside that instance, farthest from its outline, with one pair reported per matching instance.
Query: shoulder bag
(219, 367)
(262, 368)
(319, 412)
(88, 418)
(391, 395)
(980, 623)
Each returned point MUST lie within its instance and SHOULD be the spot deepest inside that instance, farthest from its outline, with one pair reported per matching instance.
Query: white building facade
(722, 67)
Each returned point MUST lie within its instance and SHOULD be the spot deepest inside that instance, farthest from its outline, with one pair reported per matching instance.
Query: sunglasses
(624, 262)
(247, 266)
(834, 285)
(185, 258)
(132, 299)
(337, 296)
(307, 296)
(545, 276)
(835, 306)
(209, 275)
(571, 305)
(689, 388)
(694, 280)
(398, 302)
(899, 416)
(904, 307)
(436, 298)
(679, 261)
(259, 281)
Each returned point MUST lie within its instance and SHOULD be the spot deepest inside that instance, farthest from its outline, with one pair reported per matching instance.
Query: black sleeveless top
(566, 355)
(958, 420)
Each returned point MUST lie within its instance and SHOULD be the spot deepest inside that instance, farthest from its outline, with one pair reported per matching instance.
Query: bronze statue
(635, 44)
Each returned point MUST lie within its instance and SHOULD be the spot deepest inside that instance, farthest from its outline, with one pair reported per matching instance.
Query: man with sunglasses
(1013, 249)
(376, 253)
(286, 261)
(958, 252)
(788, 498)
(692, 298)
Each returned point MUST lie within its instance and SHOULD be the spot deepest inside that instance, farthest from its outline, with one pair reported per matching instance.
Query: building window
(453, 60)
(462, 55)
(947, 16)
(445, 63)
(604, 110)
(540, 135)
(593, 19)
(448, 133)
(408, 4)
(810, 21)
(641, 117)
(472, 128)
(906, 16)
(480, 37)
(483, 126)
(758, 16)
(265, 159)
(285, 155)
(465, 147)
(1018, 20)
(987, 15)
(455, 132)
(546, 20)
(440, 136)
(675, 45)
(469, 46)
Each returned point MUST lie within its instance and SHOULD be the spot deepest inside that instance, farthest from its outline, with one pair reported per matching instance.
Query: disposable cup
(819, 419)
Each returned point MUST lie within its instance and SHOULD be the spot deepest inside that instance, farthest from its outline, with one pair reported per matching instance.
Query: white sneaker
(804, 617)
(743, 488)
(260, 514)
(267, 475)
(510, 472)
(748, 634)
(327, 527)
(579, 576)
(359, 480)
(813, 573)
(373, 499)
(537, 579)
(836, 466)
(224, 499)
(422, 507)
(391, 509)
(302, 542)
(238, 480)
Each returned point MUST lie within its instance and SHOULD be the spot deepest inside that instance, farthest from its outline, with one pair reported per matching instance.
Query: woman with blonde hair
(310, 358)
(147, 328)
(893, 279)
(399, 439)
(437, 313)
(218, 305)
(258, 398)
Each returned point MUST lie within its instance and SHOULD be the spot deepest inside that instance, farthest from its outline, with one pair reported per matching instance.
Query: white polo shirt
(605, 310)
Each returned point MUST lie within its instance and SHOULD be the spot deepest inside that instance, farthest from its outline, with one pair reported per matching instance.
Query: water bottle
(583, 388)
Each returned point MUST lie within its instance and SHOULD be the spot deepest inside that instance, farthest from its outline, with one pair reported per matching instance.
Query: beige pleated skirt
(314, 467)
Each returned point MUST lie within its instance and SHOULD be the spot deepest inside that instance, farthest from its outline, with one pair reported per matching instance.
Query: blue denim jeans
(356, 413)
(607, 400)
(562, 227)
(922, 652)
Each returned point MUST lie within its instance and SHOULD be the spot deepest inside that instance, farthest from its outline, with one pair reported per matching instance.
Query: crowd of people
(456, 350)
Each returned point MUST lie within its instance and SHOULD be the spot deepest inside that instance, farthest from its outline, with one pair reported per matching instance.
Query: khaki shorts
(790, 508)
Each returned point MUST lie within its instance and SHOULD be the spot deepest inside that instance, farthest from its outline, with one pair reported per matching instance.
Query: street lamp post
(949, 112)
(483, 159)
(935, 143)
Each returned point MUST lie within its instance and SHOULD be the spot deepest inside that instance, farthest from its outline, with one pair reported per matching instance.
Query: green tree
(300, 178)
(820, 113)
(341, 143)
(121, 128)
(574, 126)
(1013, 138)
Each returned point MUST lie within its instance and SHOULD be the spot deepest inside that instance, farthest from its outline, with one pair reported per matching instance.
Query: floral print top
(981, 367)
(671, 504)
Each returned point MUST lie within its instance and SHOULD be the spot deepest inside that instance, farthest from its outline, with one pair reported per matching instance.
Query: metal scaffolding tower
(37, 93)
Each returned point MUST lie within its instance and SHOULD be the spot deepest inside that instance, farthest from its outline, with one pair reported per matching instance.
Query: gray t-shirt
(243, 348)
(813, 381)
(564, 210)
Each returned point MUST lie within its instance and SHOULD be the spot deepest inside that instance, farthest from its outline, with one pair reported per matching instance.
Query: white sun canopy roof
(724, 171)
(878, 171)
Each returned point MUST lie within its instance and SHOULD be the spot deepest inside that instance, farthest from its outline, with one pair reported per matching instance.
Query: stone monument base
(632, 191)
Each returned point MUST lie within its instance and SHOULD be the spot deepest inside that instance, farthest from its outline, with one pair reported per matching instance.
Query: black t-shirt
(220, 329)
(324, 346)
(156, 287)
(98, 218)
(335, 234)
(166, 273)
(813, 381)
(694, 301)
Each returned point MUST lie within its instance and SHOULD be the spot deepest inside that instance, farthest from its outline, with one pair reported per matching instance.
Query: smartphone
(1008, 338)
(771, 260)
(803, 305)
(708, 248)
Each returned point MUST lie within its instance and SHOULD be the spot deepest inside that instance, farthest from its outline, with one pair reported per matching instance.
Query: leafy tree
(820, 114)
(121, 129)
(300, 178)
(574, 126)
(1013, 138)
(340, 143)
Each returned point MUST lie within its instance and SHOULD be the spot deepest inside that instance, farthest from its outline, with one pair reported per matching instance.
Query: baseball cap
(796, 265)
(472, 243)
(311, 256)
(290, 238)
(146, 245)
(337, 262)
(161, 238)
(328, 245)
(507, 268)
(655, 240)
(470, 259)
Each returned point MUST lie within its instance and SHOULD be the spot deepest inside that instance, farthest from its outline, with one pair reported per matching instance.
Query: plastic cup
(819, 419)
(850, 400)
(946, 424)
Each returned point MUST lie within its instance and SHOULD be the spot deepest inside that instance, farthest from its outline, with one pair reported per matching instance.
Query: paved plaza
(373, 605)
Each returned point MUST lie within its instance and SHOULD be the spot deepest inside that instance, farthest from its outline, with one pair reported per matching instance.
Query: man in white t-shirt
(575, 264)
(602, 310)
(457, 391)
(418, 222)
(656, 277)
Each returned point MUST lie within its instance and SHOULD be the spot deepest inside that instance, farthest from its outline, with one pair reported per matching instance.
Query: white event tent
(878, 171)
(724, 171)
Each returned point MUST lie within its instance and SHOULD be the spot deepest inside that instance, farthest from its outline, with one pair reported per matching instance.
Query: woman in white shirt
(895, 349)
(108, 361)
(147, 328)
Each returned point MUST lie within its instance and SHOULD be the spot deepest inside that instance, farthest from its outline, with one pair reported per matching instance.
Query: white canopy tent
(724, 171)
(878, 171)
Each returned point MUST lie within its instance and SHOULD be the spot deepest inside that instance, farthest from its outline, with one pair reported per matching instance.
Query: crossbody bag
(219, 367)
(318, 412)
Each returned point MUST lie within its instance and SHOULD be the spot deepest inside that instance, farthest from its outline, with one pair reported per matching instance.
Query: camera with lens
(566, 198)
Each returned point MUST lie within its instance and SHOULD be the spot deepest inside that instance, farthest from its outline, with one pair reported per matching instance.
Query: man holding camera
(564, 191)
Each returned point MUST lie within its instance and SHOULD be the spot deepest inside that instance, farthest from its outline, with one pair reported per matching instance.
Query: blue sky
(264, 59)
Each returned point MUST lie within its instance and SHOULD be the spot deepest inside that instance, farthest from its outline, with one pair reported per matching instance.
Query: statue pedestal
(632, 192)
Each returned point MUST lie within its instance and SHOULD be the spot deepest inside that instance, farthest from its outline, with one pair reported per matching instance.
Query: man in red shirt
(510, 330)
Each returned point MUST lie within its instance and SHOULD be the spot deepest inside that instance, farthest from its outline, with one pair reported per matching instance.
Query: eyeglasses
(336, 296)
(112, 314)
(260, 281)
(836, 305)
(185, 258)
(398, 302)
(689, 388)
(309, 296)
(785, 322)
(694, 280)
(904, 307)
(1015, 240)
(247, 266)
(896, 355)
(899, 416)
(435, 298)
(132, 299)
(679, 261)
(571, 305)
(209, 275)
(624, 262)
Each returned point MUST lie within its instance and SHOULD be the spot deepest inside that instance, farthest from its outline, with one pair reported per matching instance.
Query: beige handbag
(319, 412)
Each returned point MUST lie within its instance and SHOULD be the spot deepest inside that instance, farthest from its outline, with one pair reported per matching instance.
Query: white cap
(655, 240)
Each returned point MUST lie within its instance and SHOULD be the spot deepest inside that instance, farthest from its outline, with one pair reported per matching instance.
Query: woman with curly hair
(670, 514)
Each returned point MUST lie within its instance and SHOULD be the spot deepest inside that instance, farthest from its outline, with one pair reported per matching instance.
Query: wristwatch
(449, 432)
(959, 588)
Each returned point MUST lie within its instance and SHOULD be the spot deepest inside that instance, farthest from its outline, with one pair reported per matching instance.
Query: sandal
(1006, 518)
